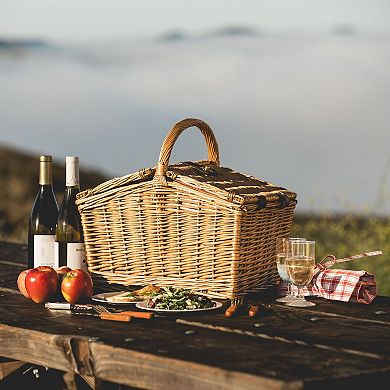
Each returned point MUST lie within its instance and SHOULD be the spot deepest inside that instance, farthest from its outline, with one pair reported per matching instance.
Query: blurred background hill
(296, 92)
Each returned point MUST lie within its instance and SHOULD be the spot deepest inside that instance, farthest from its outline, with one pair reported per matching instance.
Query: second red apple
(77, 286)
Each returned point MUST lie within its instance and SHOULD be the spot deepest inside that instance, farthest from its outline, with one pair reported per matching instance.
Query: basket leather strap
(167, 146)
(334, 260)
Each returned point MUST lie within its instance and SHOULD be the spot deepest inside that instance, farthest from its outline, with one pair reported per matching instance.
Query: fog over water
(309, 112)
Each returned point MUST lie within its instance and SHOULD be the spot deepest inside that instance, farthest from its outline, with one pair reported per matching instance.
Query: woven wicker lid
(234, 186)
(205, 176)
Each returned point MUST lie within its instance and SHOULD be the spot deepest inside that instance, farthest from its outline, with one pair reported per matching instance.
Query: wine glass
(300, 264)
(281, 250)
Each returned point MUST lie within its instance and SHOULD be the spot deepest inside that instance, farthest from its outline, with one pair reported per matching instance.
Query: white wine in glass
(281, 250)
(300, 266)
(300, 270)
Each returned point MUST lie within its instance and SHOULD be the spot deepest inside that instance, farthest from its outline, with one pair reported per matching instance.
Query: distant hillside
(18, 187)
(22, 44)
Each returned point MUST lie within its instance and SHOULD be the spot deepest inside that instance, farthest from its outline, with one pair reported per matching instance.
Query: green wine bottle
(69, 245)
(43, 218)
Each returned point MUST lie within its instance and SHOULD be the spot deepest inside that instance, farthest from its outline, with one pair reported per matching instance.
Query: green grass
(348, 235)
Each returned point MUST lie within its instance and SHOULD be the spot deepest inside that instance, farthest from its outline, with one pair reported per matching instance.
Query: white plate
(102, 298)
(143, 305)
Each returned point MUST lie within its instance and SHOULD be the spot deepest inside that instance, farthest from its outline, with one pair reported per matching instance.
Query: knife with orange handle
(102, 316)
(138, 314)
(132, 314)
(115, 317)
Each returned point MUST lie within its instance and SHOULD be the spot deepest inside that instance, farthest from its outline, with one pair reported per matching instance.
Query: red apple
(21, 282)
(41, 283)
(61, 272)
(77, 286)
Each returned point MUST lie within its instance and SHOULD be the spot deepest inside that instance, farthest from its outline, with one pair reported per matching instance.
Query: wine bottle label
(71, 254)
(44, 250)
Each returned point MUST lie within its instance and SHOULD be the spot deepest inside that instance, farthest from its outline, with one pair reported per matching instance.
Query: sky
(82, 20)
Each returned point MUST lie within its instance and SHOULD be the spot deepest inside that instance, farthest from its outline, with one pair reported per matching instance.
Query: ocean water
(307, 112)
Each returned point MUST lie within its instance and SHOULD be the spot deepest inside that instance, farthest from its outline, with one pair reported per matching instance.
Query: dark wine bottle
(43, 219)
(69, 245)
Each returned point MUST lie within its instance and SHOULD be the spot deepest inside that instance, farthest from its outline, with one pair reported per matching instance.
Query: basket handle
(170, 139)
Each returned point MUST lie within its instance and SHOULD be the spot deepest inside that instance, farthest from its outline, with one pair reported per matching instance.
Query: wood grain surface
(8, 366)
(332, 344)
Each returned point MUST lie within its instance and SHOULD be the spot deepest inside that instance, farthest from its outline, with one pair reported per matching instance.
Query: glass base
(300, 303)
(286, 299)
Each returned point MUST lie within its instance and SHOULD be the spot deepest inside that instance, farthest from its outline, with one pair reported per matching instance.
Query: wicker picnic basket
(193, 225)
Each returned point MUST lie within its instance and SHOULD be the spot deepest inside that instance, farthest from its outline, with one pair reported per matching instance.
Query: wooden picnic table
(332, 344)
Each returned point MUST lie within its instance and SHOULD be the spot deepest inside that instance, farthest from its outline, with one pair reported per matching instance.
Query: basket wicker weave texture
(193, 225)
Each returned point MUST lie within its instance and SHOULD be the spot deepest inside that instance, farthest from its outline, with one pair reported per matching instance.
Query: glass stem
(300, 293)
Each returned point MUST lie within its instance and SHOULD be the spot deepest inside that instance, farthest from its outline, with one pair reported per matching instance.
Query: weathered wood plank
(8, 278)
(8, 366)
(151, 372)
(13, 253)
(94, 347)
(376, 312)
(331, 343)
(89, 380)
(301, 326)
(40, 348)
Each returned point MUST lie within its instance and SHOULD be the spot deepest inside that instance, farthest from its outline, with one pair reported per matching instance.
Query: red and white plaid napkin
(340, 284)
